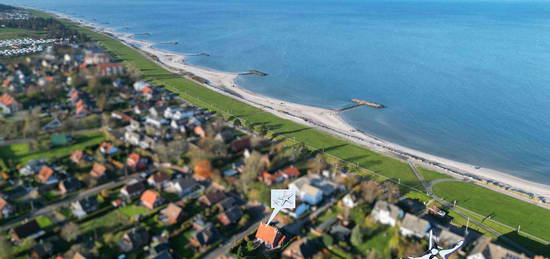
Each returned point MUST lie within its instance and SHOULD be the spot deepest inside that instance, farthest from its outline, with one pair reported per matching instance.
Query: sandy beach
(324, 119)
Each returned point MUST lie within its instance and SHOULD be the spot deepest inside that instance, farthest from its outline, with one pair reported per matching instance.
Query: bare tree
(317, 164)
(70, 231)
(252, 167)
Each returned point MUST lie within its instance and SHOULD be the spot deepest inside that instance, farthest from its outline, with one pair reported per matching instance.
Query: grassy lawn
(44, 221)
(503, 208)
(16, 33)
(105, 223)
(382, 242)
(132, 210)
(21, 154)
(430, 175)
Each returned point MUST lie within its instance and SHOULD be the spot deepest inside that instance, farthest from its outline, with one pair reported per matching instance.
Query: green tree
(328, 240)
(237, 123)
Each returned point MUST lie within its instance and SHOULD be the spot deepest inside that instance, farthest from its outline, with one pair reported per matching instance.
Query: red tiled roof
(199, 131)
(267, 234)
(172, 212)
(76, 156)
(45, 174)
(291, 171)
(98, 170)
(148, 198)
(133, 159)
(7, 99)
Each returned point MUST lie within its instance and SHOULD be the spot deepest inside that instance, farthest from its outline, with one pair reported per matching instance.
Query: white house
(305, 191)
(386, 213)
(139, 85)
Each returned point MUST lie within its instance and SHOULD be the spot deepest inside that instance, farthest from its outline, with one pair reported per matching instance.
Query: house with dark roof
(206, 236)
(5, 208)
(30, 230)
(70, 184)
(241, 144)
(159, 180)
(302, 249)
(85, 206)
(172, 214)
(412, 206)
(135, 238)
(230, 216)
(132, 190)
(226, 204)
(212, 198)
(183, 186)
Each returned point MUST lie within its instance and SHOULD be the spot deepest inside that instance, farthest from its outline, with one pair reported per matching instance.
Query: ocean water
(466, 80)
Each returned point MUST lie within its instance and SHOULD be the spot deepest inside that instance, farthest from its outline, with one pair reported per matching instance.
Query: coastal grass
(21, 153)
(278, 127)
(501, 207)
(17, 33)
(343, 149)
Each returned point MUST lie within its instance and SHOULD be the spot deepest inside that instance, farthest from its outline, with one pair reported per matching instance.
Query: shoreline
(322, 119)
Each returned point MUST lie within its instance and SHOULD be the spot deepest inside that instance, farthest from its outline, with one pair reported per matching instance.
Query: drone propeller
(431, 241)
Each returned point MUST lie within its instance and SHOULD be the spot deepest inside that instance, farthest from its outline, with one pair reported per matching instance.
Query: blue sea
(466, 80)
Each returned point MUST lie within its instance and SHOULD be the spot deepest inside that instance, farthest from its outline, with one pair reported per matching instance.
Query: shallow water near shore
(465, 80)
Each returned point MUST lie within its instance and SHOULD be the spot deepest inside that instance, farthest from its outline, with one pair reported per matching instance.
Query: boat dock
(358, 103)
(169, 42)
(254, 72)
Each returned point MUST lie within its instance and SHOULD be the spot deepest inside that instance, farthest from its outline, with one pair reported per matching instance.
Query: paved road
(68, 200)
(426, 185)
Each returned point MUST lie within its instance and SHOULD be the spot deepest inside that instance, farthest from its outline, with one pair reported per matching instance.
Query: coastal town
(99, 161)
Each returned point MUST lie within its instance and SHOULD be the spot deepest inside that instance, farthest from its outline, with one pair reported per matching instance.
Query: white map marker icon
(280, 199)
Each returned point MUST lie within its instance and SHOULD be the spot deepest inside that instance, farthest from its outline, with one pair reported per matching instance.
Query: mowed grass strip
(430, 175)
(502, 208)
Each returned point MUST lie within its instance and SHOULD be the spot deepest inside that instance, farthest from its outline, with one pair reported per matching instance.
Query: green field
(430, 175)
(503, 208)
(15, 33)
(20, 153)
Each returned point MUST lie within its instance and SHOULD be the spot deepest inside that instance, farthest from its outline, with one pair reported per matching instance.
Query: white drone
(280, 199)
(437, 251)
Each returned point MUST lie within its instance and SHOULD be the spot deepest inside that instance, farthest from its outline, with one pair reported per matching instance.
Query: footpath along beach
(323, 119)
